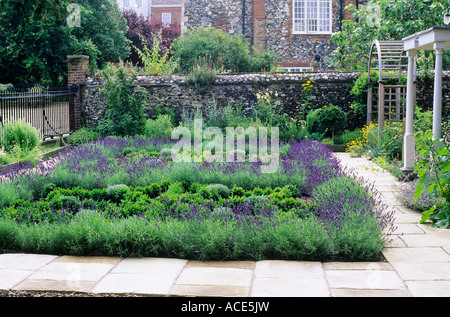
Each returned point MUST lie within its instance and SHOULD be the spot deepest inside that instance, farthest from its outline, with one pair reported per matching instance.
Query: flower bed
(120, 197)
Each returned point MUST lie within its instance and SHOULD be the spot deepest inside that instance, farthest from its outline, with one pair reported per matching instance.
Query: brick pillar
(259, 24)
(76, 75)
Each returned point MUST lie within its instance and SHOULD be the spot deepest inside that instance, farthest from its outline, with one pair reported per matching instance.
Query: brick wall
(174, 11)
(77, 66)
(259, 24)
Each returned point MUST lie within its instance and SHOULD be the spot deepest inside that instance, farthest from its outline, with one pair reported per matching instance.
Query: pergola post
(437, 104)
(409, 139)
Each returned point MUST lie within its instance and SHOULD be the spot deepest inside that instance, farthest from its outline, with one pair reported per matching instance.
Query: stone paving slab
(429, 288)
(289, 279)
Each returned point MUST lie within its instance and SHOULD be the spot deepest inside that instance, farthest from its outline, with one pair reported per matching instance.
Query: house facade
(142, 7)
(298, 30)
(167, 11)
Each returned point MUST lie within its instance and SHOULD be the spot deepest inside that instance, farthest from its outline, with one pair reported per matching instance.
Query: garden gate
(46, 107)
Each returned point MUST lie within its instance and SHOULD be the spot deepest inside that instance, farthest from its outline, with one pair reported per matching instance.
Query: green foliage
(21, 27)
(101, 35)
(383, 20)
(117, 192)
(161, 127)
(311, 120)
(19, 135)
(227, 53)
(425, 65)
(165, 111)
(330, 119)
(433, 170)
(102, 32)
(125, 102)
(155, 63)
(347, 136)
(391, 140)
(359, 89)
(222, 190)
(83, 135)
(202, 74)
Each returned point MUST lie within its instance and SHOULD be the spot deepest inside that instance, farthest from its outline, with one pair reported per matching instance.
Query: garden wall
(171, 91)
(331, 88)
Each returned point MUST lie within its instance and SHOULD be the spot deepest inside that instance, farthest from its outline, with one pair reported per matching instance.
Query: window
(166, 18)
(296, 69)
(312, 16)
(126, 3)
(139, 3)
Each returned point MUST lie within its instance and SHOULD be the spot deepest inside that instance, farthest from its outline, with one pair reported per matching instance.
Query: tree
(35, 40)
(140, 29)
(383, 20)
(103, 25)
(36, 37)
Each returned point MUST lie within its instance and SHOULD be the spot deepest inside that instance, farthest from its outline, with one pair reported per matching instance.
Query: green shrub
(311, 120)
(202, 75)
(222, 190)
(347, 136)
(330, 119)
(83, 135)
(155, 63)
(392, 140)
(237, 191)
(67, 202)
(124, 115)
(21, 134)
(160, 127)
(117, 192)
(228, 53)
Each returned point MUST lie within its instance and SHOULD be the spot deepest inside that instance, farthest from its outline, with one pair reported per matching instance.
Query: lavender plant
(141, 205)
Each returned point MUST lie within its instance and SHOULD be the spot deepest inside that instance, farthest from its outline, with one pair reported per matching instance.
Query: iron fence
(46, 107)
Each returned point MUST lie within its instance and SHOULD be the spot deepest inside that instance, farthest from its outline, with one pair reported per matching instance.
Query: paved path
(418, 264)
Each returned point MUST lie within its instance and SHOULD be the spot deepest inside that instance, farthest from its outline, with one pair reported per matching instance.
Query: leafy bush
(228, 53)
(155, 62)
(125, 102)
(222, 190)
(21, 134)
(160, 127)
(117, 192)
(392, 141)
(202, 74)
(330, 119)
(347, 136)
(140, 28)
(433, 170)
(83, 135)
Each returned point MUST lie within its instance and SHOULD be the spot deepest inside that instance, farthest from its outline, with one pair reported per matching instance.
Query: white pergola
(437, 39)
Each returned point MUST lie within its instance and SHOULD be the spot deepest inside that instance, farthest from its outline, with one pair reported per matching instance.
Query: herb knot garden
(119, 196)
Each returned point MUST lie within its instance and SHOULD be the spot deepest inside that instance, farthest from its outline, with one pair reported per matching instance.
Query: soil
(11, 293)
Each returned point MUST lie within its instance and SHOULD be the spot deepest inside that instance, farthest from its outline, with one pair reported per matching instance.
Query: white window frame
(126, 3)
(297, 69)
(138, 3)
(170, 18)
(307, 24)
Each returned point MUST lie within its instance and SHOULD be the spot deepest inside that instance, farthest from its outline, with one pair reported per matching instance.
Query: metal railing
(46, 107)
